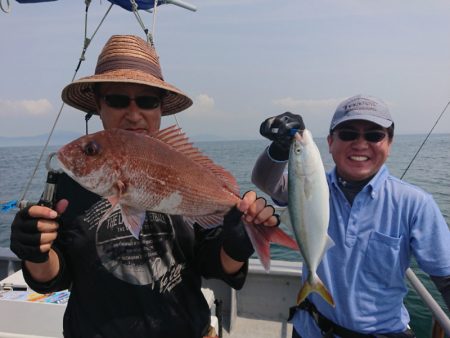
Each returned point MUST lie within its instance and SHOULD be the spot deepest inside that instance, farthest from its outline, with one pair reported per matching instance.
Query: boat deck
(262, 328)
(261, 308)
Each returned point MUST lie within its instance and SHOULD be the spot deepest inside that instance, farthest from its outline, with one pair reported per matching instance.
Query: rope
(87, 40)
(5, 9)
(82, 58)
(134, 7)
(150, 36)
(87, 117)
(176, 121)
(155, 6)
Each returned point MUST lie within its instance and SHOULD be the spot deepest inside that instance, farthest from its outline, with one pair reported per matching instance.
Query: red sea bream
(161, 173)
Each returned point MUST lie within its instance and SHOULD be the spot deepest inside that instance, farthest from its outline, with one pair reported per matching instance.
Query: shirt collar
(374, 184)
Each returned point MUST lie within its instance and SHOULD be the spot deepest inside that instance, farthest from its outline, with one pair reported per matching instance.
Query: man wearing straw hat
(152, 289)
(377, 223)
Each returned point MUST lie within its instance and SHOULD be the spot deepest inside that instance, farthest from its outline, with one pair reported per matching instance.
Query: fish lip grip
(49, 194)
(48, 164)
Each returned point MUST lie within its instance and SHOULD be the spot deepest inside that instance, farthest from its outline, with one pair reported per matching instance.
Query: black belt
(329, 328)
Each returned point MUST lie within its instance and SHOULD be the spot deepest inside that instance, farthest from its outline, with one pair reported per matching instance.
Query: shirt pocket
(382, 260)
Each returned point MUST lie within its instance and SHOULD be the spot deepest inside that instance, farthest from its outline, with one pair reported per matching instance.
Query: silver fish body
(308, 209)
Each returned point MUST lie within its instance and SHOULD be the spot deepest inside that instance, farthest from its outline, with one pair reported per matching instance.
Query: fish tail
(278, 236)
(261, 236)
(317, 287)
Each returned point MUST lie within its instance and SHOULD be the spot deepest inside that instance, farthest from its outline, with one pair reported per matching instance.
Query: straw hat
(125, 58)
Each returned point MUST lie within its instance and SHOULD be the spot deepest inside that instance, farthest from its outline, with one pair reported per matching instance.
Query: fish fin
(278, 236)
(261, 243)
(133, 219)
(330, 243)
(119, 188)
(317, 287)
(261, 236)
(114, 199)
(177, 139)
(206, 222)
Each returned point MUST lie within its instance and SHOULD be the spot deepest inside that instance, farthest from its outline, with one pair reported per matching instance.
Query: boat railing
(439, 315)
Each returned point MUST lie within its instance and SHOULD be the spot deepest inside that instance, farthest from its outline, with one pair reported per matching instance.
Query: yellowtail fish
(163, 173)
(308, 210)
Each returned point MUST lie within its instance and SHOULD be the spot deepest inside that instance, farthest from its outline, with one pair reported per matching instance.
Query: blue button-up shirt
(389, 221)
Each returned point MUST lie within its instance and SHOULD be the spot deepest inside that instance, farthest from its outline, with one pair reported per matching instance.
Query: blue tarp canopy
(126, 4)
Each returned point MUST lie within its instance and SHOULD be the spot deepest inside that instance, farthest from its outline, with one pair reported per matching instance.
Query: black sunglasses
(123, 101)
(372, 136)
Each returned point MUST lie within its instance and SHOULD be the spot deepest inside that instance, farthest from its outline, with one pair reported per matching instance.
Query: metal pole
(219, 316)
(428, 299)
(181, 4)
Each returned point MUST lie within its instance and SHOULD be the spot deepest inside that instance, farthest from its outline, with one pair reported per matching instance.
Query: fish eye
(91, 148)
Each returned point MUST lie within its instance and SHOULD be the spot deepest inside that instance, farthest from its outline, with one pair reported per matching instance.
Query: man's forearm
(268, 175)
(229, 265)
(443, 285)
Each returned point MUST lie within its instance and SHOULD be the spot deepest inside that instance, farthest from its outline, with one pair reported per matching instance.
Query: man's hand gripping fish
(308, 210)
(161, 173)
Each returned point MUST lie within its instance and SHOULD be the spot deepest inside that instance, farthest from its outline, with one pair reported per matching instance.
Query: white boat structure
(259, 309)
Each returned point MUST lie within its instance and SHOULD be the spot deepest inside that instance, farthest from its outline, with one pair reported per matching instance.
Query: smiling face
(132, 117)
(358, 159)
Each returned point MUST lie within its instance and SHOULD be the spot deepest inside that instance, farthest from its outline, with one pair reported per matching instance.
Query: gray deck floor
(257, 328)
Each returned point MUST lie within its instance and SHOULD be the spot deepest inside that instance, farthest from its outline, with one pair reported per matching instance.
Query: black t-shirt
(127, 287)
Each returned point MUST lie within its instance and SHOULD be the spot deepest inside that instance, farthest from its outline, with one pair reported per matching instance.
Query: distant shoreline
(61, 138)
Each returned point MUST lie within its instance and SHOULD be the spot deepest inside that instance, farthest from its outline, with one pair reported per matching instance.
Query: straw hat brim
(80, 95)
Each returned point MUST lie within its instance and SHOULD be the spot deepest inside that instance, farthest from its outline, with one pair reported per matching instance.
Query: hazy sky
(241, 61)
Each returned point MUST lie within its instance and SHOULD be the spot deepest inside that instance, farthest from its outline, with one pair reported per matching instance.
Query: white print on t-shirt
(149, 260)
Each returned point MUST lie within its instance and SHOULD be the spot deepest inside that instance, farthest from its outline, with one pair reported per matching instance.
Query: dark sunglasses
(123, 101)
(373, 136)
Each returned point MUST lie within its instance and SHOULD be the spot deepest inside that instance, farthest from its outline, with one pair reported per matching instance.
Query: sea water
(430, 170)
